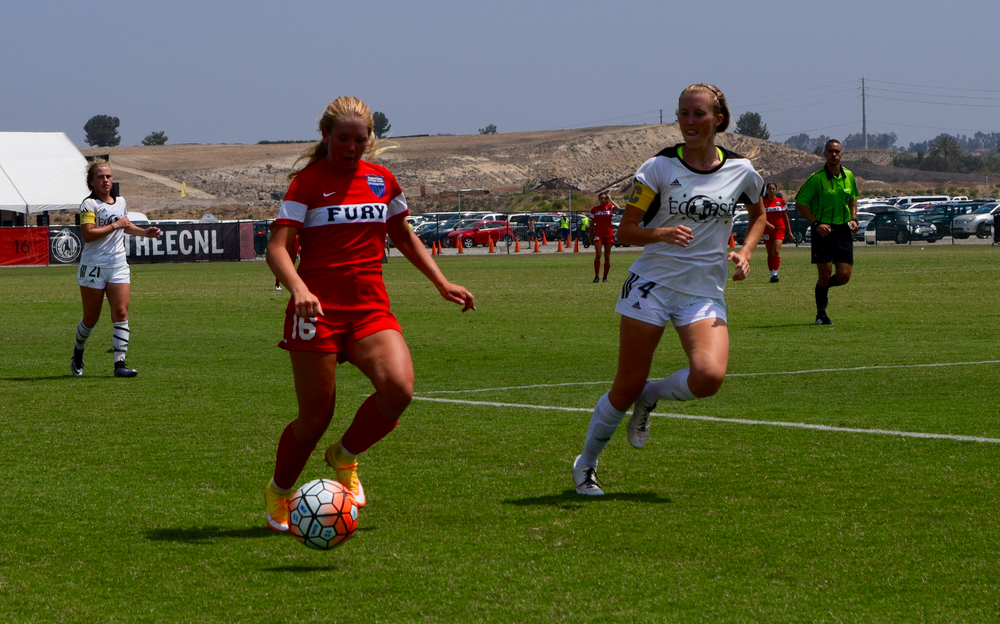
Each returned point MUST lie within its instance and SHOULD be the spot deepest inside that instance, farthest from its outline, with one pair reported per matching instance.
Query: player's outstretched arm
(413, 250)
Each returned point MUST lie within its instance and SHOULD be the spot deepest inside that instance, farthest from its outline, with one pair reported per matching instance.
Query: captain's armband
(642, 196)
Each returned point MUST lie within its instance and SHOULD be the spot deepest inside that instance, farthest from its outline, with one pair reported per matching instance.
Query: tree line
(947, 153)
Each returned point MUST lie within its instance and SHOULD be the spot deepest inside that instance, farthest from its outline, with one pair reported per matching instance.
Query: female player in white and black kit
(681, 211)
(104, 268)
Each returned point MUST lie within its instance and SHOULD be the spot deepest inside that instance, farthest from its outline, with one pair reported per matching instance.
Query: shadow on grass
(571, 500)
(199, 535)
(302, 568)
(783, 326)
(49, 378)
(196, 535)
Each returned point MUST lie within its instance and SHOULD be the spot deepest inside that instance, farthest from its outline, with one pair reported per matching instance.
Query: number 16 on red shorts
(334, 330)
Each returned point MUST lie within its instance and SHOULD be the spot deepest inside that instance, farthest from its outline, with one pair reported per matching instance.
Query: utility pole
(864, 121)
(661, 115)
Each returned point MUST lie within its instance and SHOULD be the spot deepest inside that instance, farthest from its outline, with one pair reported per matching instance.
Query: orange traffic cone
(545, 241)
(732, 241)
(434, 249)
(458, 243)
(560, 247)
(536, 246)
(576, 245)
(492, 248)
(517, 245)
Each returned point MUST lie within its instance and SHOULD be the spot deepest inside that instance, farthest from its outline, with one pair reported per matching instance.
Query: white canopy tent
(41, 171)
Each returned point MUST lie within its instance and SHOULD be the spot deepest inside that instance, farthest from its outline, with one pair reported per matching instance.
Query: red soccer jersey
(602, 220)
(775, 212)
(341, 216)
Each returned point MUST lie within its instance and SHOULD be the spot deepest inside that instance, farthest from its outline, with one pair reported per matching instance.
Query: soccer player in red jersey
(775, 229)
(602, 234)
(341, 207)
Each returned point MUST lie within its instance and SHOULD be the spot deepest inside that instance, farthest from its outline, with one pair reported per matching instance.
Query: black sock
(833, 282)
(821, 298)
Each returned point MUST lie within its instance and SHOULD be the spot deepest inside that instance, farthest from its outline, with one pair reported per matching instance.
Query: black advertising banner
(65, 244)
(187, 242)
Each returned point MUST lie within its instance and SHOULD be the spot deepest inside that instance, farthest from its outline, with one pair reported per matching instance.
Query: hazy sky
(238, 72)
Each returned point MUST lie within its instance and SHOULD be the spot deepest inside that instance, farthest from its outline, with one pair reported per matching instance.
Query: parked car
(978, 222)
(800, 227)
(909, 200)
(942, 215)
(864, 218)
(899, 226)
(740, 223)
(548, 223)
(430, 232)
(481, 233)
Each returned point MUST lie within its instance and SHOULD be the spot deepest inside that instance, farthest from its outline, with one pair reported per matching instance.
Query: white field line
(800, 372)
(737, 421)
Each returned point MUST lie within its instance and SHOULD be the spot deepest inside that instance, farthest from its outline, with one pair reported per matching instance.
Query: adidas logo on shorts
(637, 306)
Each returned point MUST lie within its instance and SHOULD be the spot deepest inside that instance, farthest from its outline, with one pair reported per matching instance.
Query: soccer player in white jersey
(341, 207)
(104, 269)
(681, 211)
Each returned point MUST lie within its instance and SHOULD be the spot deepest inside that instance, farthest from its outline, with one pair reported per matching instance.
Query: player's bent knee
(705, 384)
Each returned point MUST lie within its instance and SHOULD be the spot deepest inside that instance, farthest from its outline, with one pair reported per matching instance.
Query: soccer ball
(322, 514)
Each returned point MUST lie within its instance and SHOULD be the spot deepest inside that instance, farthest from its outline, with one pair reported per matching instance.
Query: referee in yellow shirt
(829, 201)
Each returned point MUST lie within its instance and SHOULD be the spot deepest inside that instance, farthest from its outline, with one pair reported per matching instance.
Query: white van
(138, 219)
(904, 202)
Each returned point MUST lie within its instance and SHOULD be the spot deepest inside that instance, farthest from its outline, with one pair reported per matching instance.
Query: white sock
(673, 388)
(774, 272)
(603, 424)
(82, 333)
(119, 340)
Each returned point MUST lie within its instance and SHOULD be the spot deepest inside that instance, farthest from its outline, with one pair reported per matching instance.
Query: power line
(778, 95)
(961, 97)
(903, 84)
(883, 97)
(894, 123)
(787, 134)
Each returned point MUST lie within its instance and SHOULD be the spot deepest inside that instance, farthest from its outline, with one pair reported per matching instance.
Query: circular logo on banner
(66, 246)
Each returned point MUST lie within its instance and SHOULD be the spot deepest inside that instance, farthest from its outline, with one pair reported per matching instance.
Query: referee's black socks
(821, 298)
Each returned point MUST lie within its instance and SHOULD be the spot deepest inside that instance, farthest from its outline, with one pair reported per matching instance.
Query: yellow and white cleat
(277, 506)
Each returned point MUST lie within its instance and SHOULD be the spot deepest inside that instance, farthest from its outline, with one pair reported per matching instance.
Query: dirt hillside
(248, 181)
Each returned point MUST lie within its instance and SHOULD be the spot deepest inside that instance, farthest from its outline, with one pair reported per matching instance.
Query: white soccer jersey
(671, 193)
(108, 250)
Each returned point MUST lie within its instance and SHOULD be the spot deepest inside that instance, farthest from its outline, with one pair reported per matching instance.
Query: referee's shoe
(823, 319)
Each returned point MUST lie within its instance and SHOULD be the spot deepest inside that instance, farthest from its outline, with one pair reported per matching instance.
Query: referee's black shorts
(837, 246)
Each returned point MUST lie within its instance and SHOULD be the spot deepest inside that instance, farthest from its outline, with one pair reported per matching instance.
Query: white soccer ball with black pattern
(322, 514)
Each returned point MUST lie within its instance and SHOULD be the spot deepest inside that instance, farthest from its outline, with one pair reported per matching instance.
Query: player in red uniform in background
(342, 207)
(602, 234)
(775, 229)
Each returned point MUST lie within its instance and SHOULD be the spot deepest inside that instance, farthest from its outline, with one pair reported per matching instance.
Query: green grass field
(140, 500)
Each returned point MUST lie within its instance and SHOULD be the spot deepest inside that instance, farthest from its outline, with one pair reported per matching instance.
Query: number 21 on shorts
(302, 328)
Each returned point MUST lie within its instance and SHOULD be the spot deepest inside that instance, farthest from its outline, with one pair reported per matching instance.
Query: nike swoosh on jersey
(329, 194)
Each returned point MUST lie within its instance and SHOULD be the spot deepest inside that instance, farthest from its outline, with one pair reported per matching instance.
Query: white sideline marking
(800, 372)
(738, 421)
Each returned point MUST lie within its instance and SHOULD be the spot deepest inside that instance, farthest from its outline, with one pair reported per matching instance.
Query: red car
(480, 233)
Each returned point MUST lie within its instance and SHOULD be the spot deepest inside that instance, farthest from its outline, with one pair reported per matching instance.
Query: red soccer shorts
(778, 234)
(335, 330)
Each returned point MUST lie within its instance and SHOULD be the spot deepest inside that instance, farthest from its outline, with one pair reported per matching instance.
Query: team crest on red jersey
(377, 184)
